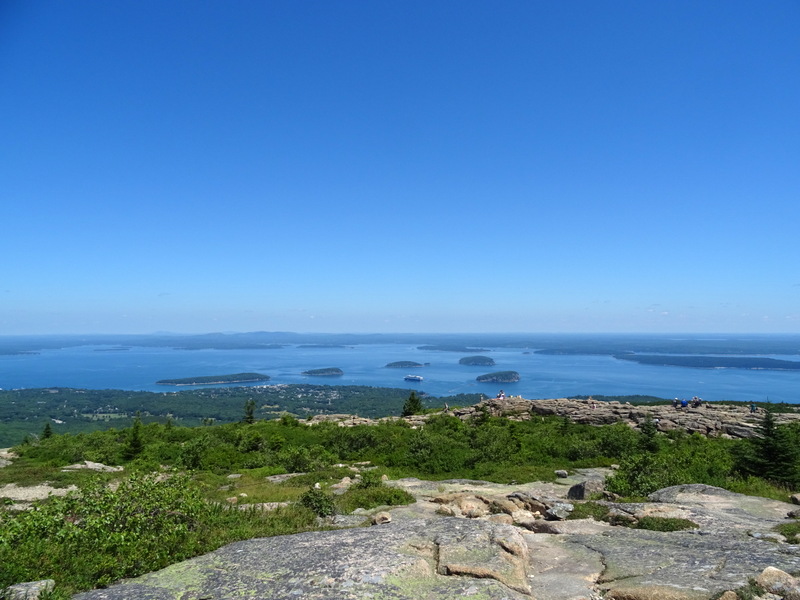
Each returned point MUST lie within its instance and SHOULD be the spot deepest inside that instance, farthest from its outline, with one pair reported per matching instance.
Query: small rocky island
(477, 361)
(499, 377)
(213, 379)
(403, 364)
(327, 372)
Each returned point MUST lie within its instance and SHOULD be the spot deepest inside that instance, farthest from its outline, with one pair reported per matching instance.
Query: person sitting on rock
(501, 395)
(684, 403)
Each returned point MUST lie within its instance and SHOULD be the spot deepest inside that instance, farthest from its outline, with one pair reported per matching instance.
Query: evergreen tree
(135, 443)
(773, 454)
(648, 431)
(413, 405)
(249, 412)
(47, 431)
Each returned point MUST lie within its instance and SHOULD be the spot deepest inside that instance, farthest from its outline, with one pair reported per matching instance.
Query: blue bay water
(542, 376)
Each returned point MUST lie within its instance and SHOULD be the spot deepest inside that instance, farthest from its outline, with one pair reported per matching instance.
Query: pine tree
(774, 454)
(413, 405)
(135, 443)
(648, 430)
(47, 431)
(249, 412)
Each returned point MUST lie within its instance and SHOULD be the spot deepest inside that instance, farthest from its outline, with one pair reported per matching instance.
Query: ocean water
(542, 376)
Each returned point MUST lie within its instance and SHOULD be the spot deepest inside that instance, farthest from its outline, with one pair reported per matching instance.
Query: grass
(790, 530)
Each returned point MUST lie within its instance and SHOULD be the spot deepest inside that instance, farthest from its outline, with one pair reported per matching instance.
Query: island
(403, 364)
(321, 346)
(712, 362)
(452, 348)
(327, 372)
(499, 377)
(477, 361)
(214, 379)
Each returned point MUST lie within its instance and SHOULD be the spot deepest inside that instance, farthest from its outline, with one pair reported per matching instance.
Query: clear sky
(399, 166)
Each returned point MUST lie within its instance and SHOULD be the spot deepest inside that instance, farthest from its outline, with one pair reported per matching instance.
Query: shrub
(585, 510)
(371, 497)
(318, 502)
(369, 479)
(665, 524)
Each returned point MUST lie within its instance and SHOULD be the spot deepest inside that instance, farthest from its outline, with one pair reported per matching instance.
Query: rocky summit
(710, 419)
(484, 540)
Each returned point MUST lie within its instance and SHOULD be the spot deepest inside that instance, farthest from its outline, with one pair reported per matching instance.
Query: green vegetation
(665, 524)
(413, 406)
(101, 535)
(791, 531)
(209, 379)
(601, 512)
(477, 361)
(499, 377)
(326, 372)
(25, 412)
(404, 364)
(157, 516)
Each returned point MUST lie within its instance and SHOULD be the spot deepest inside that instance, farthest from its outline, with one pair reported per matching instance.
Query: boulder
(30, 590)
(584, 489)
(559, 511)
(777, 582)
(381, 518)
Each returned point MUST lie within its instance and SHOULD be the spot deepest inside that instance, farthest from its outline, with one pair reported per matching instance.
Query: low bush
(585, 510)
(372, 497)
(100, 535)
(318, 502)
(665, 524)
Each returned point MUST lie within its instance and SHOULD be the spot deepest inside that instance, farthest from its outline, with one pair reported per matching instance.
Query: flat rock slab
(688, 564)
(413, 559)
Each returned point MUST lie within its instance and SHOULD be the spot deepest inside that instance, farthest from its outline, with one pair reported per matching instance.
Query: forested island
(712, 362)
(499, 377)
(321, 346)
(477, 361)
(452, 348)
(326, 372)
(403, 364)
(213, 379)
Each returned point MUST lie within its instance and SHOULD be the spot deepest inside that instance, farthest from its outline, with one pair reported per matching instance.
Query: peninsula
(213, 379)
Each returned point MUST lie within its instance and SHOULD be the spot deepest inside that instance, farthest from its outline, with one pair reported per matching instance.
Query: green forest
(24, 412)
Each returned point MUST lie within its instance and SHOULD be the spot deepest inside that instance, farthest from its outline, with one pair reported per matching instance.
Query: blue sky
(399, 166)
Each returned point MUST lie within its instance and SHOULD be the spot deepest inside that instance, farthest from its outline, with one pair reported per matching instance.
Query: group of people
(684, 403)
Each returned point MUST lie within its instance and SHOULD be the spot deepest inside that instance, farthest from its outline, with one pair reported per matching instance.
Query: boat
(413, 377)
